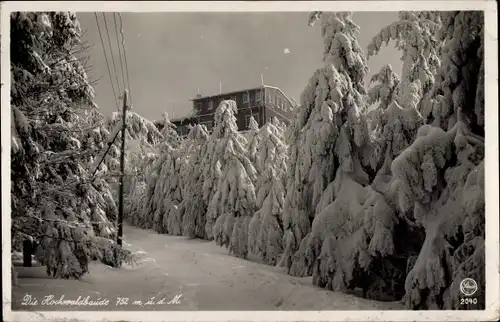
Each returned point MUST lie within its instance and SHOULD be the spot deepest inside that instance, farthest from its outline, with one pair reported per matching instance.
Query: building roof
(243, 90)
(227, 93)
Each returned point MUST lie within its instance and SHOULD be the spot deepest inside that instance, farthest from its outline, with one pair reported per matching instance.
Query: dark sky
(171, 55)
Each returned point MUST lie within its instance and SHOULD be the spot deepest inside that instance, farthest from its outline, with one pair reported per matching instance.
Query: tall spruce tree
(233, 202)
(55, 132)
(265, 233)
(440, 176)
(328, 137)
(193, 206)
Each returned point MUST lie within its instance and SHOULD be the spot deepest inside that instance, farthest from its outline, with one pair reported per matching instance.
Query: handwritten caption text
(51, 300)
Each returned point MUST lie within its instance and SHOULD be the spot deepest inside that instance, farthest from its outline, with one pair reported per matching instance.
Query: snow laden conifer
(414, 34)
(392, 127)
(282, 127)
(170, 135)
(209, 177)
(384, 90)
(141, 157)
(379, 97)
(440, 177)
(193, 206)
(55, 198)
(164, 193)
(141, 139)
(265, 234)
(329, 137)
(252, 137)
(137, 128)
(233, 203)
(362, 246)
(451, 89)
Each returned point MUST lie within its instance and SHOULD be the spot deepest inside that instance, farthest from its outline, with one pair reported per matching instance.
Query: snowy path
(206, 276)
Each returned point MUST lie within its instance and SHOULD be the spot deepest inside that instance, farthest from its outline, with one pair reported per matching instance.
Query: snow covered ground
(202, 276)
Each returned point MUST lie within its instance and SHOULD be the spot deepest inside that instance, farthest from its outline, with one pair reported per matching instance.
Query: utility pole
(122, 169)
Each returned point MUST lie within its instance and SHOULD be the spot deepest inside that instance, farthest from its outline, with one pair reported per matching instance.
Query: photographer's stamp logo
(468, 287)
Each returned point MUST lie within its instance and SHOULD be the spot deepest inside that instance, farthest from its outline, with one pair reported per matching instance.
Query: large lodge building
(263, 103)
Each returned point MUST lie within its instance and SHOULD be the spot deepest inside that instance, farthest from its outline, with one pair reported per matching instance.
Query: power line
(107, 62)
(111, 51)
(119, 49)
(125, 55)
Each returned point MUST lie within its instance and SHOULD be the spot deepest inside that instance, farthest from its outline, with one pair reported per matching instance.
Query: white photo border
(492, 311)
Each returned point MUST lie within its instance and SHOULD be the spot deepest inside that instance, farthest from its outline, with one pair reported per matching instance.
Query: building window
(258, 96)
(246, 98)
(198, 106)
(210, 105)
(270, 98)
(233, 98)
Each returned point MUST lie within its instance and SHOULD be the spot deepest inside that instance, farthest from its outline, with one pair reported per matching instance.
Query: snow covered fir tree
(374, 187)
(265, 231)
(233, 202)
(411, 168)
(56, 200)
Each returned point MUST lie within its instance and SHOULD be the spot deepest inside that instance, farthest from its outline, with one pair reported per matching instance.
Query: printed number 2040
(466, 301)
(122, 301)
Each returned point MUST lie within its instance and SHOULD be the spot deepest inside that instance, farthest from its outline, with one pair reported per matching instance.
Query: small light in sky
(201, 36)
(286, 51)
(266, 68)
(138, 35)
